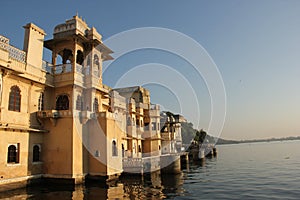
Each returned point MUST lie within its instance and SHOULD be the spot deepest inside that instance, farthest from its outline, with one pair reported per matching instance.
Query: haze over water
(242, 171)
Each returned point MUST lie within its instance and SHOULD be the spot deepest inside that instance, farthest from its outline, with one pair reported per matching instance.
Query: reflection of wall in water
(104, 192)
(172, 181)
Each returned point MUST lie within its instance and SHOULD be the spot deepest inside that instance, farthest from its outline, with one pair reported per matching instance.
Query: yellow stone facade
(58, 120)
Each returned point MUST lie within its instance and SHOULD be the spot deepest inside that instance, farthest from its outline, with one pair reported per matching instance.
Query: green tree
(200, 136)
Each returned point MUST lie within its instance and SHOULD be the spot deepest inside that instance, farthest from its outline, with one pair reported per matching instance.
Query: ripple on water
(256, 171)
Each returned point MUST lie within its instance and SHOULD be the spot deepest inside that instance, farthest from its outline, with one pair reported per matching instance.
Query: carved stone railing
(63, 68)
(132, 162)
(4, 43)
(14, 53)
(79, 69)
(17, 54)
(54, 113)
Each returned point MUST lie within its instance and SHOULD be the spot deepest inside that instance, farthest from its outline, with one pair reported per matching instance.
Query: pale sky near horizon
(254, 43)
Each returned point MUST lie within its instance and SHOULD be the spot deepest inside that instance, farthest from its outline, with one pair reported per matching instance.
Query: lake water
(243, 171)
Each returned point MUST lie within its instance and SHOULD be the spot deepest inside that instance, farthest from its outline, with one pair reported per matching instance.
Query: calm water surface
(244, 171)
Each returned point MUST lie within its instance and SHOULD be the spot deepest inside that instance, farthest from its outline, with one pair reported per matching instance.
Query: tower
(78, 96)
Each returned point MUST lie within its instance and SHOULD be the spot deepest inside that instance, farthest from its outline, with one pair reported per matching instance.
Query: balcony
(53, 115)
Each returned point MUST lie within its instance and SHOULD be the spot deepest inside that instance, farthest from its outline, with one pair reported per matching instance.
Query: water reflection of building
(58, 120)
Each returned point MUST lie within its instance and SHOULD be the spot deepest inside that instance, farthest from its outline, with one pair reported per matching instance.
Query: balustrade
(14, 53)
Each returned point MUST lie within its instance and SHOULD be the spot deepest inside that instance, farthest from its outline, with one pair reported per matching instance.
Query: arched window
(96, 105)
(12, 154)
(67, 56)
(140, 149)
(62, 102)
(36, 153)
(79, 103)
(114, 148)
(41, 102)
(14, 99)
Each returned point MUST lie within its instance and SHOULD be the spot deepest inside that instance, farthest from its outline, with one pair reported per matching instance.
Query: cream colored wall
(58, 149)
(13, 170)
(33, 45)
(105, 164)
(146, 146)
(114, 163)
(97, 142)
(35, 167)
(25, 167)
(12, 117)
(30, 93)
(155, 151)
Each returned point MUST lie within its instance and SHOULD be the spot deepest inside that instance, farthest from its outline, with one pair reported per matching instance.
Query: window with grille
(14, 99)
(12, 154)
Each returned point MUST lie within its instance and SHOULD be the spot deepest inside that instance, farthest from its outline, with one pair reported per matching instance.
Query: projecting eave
(105, 49)
(106, 57)
(50, 44)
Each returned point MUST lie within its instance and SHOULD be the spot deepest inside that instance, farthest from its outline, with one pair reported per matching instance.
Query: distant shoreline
(223, 141)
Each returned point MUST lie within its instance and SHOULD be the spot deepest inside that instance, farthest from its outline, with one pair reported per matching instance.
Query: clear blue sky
(254, 43)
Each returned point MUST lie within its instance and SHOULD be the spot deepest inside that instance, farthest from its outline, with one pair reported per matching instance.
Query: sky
(253, 43)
